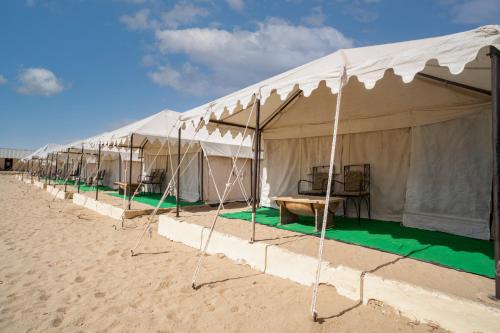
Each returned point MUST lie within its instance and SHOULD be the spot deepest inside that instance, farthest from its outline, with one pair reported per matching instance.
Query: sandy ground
(64, 268)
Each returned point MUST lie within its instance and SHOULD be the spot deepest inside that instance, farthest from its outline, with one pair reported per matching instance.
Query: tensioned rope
(240, 182)
(210, 172)
(226, 191)
(167, 191)
(327, 199)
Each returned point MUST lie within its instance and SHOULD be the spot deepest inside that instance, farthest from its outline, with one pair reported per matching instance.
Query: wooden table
(306, 205)
(123, 188)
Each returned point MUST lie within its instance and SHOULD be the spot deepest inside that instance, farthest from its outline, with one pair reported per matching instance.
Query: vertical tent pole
(202, 189)
(66, 166)
(257, 190)
(255, 166)
(130, 172)
(98, 169)
(38, 169)
(55, 173)
(80, 171)
(142, 160)
(50, 169)
(495, 103)
(47, 172)
(178, 194)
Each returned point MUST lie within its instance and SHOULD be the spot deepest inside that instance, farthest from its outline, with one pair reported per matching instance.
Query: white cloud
(476, 11)
(139, 21)
(239, 57)
(237, 5)
(39, 81)
(182, 14)
(188, 79)
(3, 80)
(316, 18)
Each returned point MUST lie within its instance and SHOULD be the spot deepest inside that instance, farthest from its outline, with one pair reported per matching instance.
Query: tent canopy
(461, 58)
(44, 151)
(154, 131)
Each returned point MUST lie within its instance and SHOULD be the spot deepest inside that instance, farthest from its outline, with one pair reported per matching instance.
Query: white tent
(155, 140)
(419, 112)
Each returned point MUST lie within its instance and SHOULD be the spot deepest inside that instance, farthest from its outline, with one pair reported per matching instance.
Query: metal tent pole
(98, 169)
(255, 170)
(81, 168)
(55, 173)
(178, 191)
(66, 170)
(130, 172)
(495, 103)
(202, 176)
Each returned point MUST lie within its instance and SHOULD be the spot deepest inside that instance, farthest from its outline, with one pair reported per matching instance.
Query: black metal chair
(96, 179)
(318, 183)
(356, 188)
(154, 179)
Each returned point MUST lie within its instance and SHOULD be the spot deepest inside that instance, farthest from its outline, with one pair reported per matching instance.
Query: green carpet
(153, 199)
(458, 252)
(69, 182)
(85, 188)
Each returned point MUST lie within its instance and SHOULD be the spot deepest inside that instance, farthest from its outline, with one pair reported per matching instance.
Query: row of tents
(422, 114)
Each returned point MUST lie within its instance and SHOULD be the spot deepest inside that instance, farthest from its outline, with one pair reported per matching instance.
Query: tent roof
(461, 57)
(14, 153)
(44, 151)
(158, 128)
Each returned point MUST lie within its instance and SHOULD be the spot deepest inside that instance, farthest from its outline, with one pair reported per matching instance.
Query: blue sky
(71, 69)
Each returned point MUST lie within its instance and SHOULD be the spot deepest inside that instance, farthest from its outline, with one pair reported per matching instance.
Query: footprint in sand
(234, 309)
(57, 322)
(44, 297)
(79, 279)
(99, 294)
(112, 252)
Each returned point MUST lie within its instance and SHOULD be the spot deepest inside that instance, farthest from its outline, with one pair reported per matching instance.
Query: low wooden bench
(306, 205)
(123, 188)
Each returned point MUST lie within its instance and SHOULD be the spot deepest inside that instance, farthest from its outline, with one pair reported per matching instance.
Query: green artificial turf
(153, 199)
(458, 252)
(85, 188)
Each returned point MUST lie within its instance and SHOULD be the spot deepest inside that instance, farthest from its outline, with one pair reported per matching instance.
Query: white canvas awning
(161, 127)
(461, 58)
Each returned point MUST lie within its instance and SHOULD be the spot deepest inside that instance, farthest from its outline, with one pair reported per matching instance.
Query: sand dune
(64, 268)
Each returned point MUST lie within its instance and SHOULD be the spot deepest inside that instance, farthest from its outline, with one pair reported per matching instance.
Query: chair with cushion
(318, 183)
(355, 188)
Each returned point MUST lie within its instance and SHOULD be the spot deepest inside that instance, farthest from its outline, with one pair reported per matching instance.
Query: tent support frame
(66, 166)
(130, 172)
(495, 103)
(178, 185)
(255, 170)
(98, 169)
(81, 169)
(456, 84)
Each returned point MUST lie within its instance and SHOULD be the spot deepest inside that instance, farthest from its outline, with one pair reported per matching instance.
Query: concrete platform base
(114, 212)
(59, 193)
(40, 184)
(415, 302)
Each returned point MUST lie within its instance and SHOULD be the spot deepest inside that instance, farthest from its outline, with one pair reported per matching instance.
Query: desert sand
(64, 268)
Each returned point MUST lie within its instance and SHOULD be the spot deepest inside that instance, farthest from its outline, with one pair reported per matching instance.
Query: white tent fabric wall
(449, 182)
(190, 176)
(221, 167)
